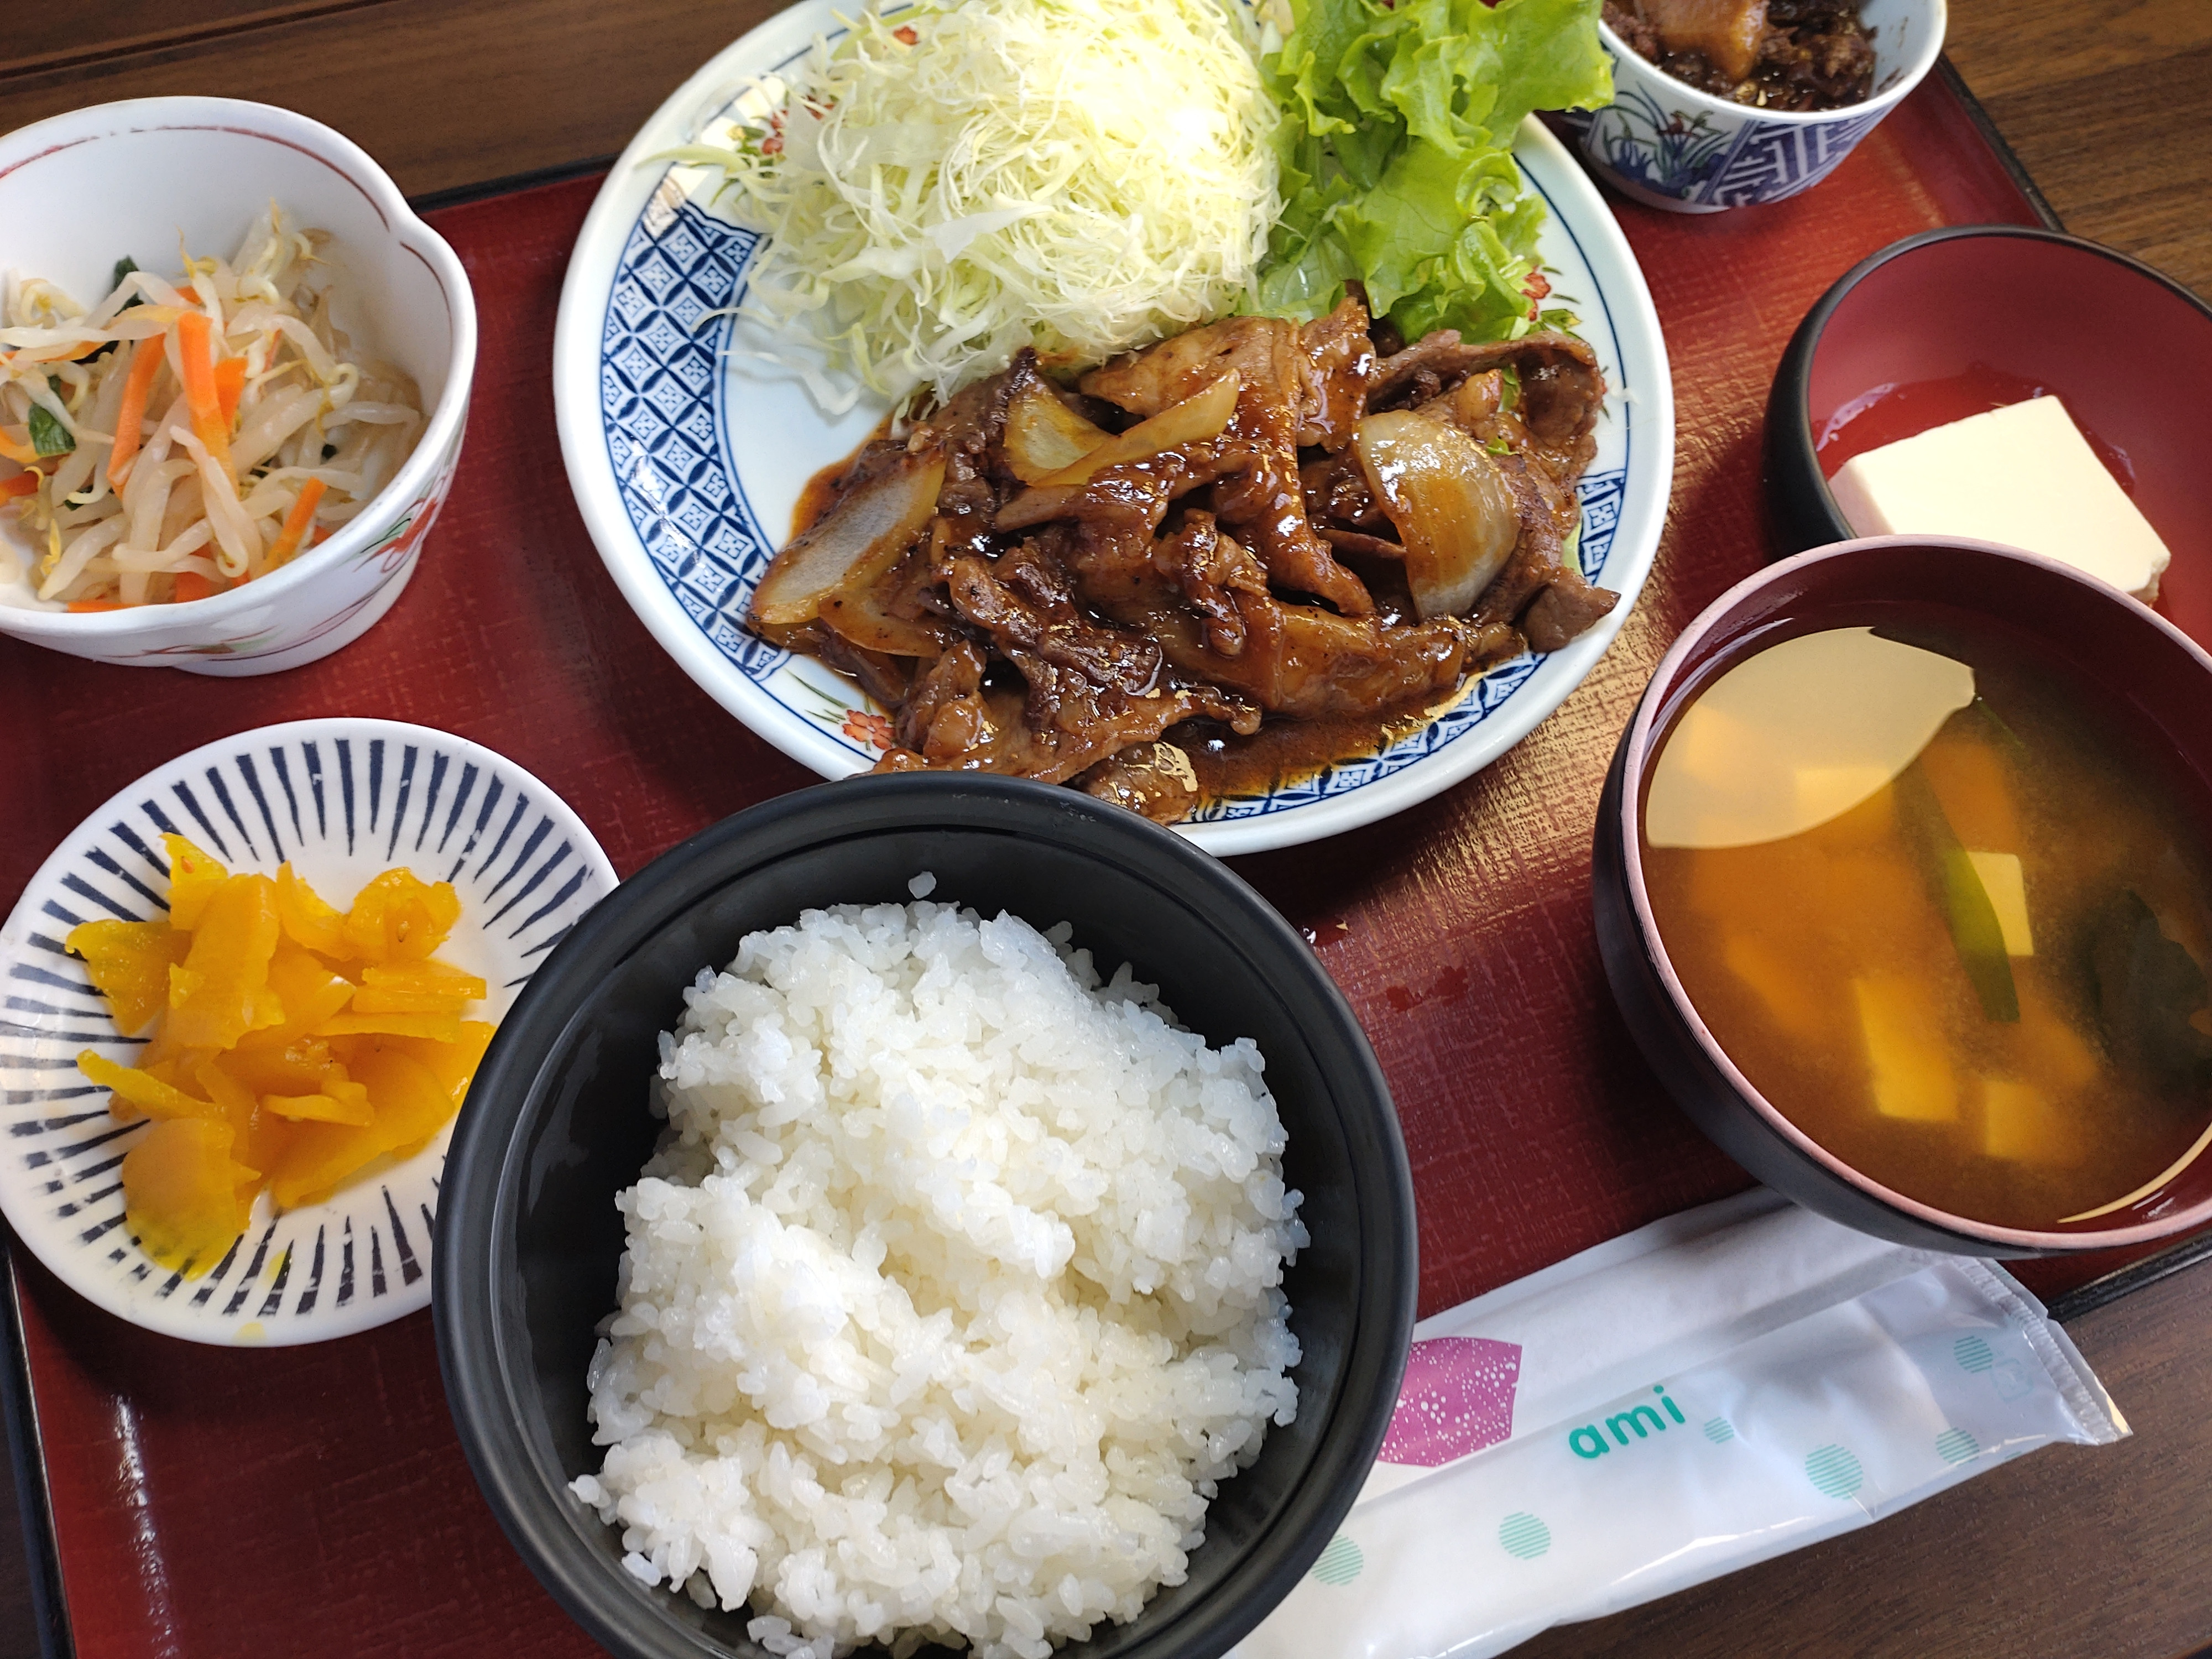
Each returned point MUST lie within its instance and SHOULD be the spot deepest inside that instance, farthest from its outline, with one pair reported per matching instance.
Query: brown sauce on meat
(814, 500)
(1285, 752)
(1125, 650)
(1226, 765)
(825, 486)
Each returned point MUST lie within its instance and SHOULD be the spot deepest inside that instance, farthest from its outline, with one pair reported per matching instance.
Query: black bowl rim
(480, 1166)
(1637, 756)
(1803, 506)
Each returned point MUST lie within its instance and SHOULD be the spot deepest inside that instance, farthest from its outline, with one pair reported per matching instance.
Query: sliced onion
(1043, 434)
(1453, 508)
(1195, 419)
(855, 541)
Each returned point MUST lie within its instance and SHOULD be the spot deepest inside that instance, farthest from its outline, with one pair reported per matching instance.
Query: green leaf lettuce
(1396, 155)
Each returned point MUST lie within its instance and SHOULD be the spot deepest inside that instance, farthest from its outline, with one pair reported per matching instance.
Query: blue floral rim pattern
(669, 424)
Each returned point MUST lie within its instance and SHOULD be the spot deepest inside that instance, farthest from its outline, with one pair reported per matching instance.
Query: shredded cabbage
(949, 184)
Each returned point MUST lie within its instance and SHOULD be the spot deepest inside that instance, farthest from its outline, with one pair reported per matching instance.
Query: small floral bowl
(81, 190)
(1667, 145)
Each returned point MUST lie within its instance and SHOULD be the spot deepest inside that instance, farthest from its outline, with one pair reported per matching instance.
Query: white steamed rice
(952, 1294)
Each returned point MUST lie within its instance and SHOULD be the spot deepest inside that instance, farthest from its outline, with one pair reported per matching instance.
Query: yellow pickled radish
(370, 1001)
(398, 917)
(308, 921)
(127, 963)
(437, 1028)
(309, 991)
(234, 1101)
(321, 1109)
(428, 975)
(145, 1093)
(291, 1045)
(417, 988)
(296, 1069)
(185, 1197)
(194, 875)
(454, 1064)
(262, 1136)
(221, 992)
(411, 1105)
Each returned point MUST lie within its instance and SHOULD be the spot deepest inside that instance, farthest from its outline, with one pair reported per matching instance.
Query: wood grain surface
(2103, 104)
(444, 94)
(2071, 1553)
(2106, 106)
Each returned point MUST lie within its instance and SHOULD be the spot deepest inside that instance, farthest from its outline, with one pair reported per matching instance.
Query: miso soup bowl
(557, 1121)
(2158, 682)
(81, 190)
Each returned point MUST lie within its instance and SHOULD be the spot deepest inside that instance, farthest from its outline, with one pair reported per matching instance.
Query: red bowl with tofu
(2150, 686)
(1954, 322)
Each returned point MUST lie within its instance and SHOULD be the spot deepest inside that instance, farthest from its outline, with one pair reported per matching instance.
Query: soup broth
(1941, 917)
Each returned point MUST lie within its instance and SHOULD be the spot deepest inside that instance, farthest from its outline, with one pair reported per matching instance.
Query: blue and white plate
(688, 461)
(343, 800)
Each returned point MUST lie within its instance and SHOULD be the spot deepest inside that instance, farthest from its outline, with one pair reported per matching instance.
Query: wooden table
(2103, 1553)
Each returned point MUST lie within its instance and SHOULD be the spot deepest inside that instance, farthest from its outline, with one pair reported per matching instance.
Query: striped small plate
(342, 799)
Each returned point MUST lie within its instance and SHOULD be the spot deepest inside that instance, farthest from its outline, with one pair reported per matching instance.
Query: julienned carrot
(82, 606)
(229, 386)
(200, 399)
(22, 453)
(23, 483)
(145, 364)
(296, 522)
(191, 585)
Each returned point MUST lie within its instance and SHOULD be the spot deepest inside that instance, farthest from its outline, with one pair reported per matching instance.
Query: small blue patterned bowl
(1667, 145)
(341, 799)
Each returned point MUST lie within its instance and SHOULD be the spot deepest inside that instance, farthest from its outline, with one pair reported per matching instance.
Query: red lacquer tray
(207, 1501)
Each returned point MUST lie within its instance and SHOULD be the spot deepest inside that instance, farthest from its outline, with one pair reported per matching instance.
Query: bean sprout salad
(183, 437)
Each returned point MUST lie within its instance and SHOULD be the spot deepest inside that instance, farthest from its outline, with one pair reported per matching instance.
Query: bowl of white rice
(922, 1214)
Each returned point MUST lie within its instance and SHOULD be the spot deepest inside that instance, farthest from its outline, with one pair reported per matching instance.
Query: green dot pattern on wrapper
(1956, 1446)
(1972, 1354)
(1340, 1562)
(1524, 1536)
(1835, 1472)
(1719, 1431)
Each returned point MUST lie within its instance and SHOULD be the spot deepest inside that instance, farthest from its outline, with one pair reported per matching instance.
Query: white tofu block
(2023, 474)
(2021, 1125)
(2001, 881)
(1909, 1073)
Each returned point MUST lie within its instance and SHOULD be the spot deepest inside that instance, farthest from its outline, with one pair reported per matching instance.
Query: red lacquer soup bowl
(1956, 321)
(2146, 675)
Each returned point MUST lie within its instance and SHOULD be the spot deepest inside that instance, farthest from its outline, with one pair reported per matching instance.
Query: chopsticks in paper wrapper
(1722, 1386)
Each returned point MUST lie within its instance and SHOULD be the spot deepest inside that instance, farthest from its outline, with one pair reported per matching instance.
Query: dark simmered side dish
(1792, 55)
(1256, 539)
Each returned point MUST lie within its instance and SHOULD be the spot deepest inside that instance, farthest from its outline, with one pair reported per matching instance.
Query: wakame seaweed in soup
(1942, 914)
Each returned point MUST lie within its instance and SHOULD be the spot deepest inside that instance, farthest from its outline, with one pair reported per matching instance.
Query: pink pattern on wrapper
(1457, 1398)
